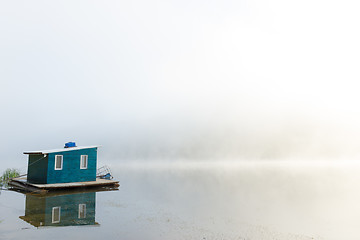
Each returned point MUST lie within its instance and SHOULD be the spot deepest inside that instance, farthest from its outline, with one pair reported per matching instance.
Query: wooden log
(26, 187)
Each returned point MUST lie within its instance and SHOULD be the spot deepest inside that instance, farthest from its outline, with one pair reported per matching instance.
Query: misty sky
(181, 79)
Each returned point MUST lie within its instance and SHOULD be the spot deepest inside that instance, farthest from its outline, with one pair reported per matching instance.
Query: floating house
(68, 167)
(69, 164)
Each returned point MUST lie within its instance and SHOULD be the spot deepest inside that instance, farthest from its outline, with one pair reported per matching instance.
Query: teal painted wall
(71, 171)
(38, 209)
(69, 213)
(37, 169)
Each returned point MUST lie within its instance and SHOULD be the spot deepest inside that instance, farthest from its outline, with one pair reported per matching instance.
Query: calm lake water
(248, 200)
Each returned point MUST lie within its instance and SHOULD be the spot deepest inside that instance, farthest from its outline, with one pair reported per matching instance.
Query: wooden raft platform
(22, 184)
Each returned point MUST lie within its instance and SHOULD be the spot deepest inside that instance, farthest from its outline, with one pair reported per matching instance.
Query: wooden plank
(26, 187)
(71, 185)
(99, 182)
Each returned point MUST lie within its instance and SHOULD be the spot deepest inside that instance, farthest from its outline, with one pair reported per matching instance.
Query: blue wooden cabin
(69, 164)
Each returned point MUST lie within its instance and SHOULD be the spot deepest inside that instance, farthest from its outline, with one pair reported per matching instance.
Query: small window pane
(55, 215)
(83, 161)
(58, 162)
(82, 210)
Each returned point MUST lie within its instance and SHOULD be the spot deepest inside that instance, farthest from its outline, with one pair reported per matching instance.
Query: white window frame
(61, 162)
(53, 220)
(82, 159)
(82, 209)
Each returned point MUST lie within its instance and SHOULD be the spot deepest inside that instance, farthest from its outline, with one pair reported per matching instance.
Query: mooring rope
(22, 175)
(45, 155)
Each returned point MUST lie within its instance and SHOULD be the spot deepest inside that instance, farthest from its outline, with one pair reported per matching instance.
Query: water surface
(182, 200)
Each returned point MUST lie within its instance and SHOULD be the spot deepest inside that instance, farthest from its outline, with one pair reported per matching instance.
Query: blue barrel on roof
(70, 144)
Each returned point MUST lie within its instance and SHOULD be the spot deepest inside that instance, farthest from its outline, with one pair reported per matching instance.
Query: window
(58, 162)
(55, 217)
(83, 161)
(82, 210)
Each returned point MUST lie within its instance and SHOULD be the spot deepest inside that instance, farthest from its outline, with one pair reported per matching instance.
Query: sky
(185, 79)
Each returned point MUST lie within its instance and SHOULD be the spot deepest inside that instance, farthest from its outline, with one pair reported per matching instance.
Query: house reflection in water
(60, 209)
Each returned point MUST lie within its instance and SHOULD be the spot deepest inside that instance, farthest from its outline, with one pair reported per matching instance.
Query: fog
(206, 80)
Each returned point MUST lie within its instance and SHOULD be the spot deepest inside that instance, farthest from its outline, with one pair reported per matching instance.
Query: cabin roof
(59, 150)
